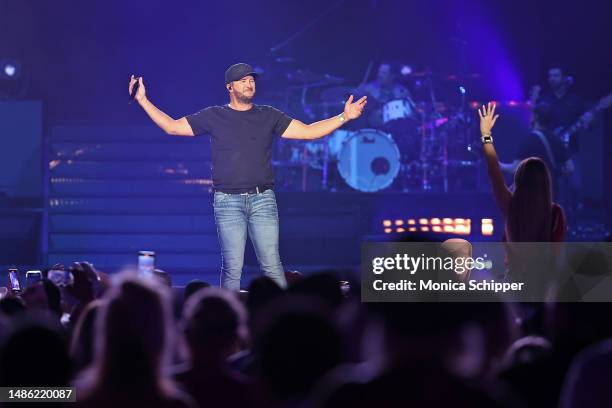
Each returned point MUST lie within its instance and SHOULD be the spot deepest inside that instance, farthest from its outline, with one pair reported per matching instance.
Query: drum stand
(445, 163)
(325, 163)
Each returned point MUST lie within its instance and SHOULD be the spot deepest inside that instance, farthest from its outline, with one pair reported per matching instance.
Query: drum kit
(397, 145)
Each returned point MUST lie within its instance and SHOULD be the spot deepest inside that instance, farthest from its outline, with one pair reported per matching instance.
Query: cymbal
(306, 76)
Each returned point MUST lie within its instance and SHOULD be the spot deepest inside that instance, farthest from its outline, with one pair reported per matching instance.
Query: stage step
(129, 169)
(121, 224)
(87, 187)
(172, 149)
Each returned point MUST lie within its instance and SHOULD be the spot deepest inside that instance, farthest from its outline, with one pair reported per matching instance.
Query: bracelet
(342, 118)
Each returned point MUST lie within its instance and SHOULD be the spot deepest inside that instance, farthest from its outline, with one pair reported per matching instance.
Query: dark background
(80, 53)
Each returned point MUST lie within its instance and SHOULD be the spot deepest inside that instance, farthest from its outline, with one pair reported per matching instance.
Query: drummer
(384, 88)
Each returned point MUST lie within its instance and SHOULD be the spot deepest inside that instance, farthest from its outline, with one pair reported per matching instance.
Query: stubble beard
(242, 98)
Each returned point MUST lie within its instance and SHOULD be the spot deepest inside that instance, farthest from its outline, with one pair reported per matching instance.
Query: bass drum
(369, 160)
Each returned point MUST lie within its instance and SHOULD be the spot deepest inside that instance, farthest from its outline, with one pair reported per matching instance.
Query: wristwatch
(486, 138)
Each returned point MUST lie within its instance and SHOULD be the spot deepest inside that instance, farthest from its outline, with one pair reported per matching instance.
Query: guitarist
(542, 143)
(566, 109)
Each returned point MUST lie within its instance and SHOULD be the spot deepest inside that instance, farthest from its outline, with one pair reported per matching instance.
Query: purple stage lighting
(9, 69)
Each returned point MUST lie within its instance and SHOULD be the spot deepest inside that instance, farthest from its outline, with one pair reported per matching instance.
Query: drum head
(369, 160)
(396, 110)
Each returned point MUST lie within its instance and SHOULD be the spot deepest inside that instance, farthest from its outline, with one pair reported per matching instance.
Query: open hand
(487, 118)
(141, 93)
(85, 277)
(354, 110)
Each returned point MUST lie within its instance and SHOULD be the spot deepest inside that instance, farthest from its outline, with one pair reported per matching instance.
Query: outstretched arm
(300, 130)
(178, 127)
(500, 191)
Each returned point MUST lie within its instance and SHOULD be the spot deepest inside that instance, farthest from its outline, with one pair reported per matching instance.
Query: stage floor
(321, 230)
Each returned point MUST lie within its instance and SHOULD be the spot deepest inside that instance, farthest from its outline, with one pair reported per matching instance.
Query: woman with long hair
(132, 349)
(530, 216)
(529, 213)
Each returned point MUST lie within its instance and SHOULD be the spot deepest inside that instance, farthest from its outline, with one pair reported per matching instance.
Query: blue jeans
(257, 214)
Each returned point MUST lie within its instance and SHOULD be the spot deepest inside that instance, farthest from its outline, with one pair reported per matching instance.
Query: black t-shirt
(564, 112)
(532, 146)
(241, 144)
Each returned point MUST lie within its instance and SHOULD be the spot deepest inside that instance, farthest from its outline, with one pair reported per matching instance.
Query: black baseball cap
(239, 71)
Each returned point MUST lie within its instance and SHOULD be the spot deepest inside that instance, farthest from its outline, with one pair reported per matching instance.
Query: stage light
(462, 229)
(406, 70)
(486, 226)
(458, 226)
(462, 90)
(441, 121)
(9, 69)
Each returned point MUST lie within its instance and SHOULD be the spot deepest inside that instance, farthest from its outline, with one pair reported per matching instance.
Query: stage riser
(130, 169)
(130, 151)
(118, 189)
(308, 226)
(73, 187)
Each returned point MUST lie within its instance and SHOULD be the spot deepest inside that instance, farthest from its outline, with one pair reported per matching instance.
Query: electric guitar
(578, 125)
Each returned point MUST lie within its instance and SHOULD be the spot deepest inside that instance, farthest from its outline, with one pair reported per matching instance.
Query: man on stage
(565, 107)
(243, 180)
